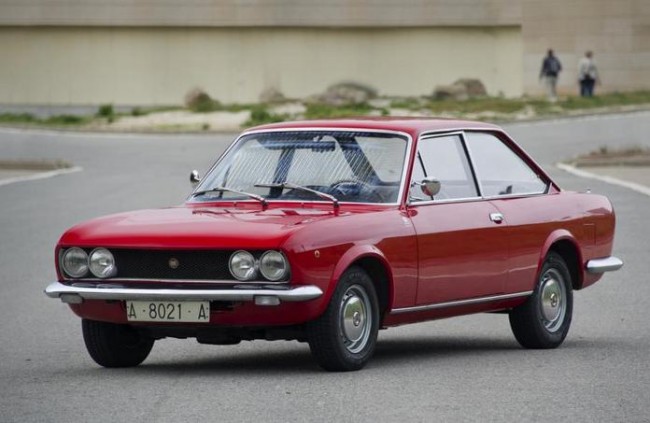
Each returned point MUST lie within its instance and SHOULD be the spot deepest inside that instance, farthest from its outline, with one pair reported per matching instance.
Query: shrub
(260, 116)
(105, 110)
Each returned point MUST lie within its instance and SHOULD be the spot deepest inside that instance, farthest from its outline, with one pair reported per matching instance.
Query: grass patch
(66, 120)
(409, 103)
(56, 120)
(476, 105)
(17, 118)
(488, 108)
(324, 111)
(606, 156)
(260, 115)
(606, 100)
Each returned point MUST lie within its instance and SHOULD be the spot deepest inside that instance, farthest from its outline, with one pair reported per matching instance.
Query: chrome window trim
(445, 201)
(459, 303)
(402, 186)
(547, 184)
(521, 194)
(461, 136)
(470, 199)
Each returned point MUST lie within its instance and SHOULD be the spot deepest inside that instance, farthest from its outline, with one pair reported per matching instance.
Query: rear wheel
(345, 336)
(543, 321)
(113, 345)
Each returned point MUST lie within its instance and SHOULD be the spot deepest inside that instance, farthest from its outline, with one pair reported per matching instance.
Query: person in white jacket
(587, 75)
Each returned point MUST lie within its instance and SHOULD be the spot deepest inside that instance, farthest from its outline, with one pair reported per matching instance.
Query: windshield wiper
(285, 185)
(234, 191)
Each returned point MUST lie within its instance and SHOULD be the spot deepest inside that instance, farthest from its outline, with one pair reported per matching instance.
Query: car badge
(174, 263)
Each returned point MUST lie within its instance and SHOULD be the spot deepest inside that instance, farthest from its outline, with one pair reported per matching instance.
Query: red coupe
(327, 231)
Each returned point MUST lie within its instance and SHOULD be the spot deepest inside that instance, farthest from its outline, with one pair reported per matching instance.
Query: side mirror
(430, 186)
(194, 178)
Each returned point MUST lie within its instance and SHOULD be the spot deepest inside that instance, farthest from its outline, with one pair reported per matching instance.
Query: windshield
(362, 167)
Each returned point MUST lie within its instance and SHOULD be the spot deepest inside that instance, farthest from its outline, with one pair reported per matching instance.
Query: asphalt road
(462, 369)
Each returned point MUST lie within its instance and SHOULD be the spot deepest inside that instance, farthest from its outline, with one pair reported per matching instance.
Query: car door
(518, 191)
(462, 245)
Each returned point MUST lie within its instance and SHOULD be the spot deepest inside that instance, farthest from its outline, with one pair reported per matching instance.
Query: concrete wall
(154, 51)
(247, 13)
(155, 66)
(618, 32)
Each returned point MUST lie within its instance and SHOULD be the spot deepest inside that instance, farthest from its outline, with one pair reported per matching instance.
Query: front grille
(155, 264)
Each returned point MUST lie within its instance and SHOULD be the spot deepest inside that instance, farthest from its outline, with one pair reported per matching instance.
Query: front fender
(351, 256)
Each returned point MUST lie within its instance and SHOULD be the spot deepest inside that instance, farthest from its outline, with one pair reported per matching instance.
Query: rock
(450, 92)
(346, 93)
(474, 87)
(272, 95)
(462, 89)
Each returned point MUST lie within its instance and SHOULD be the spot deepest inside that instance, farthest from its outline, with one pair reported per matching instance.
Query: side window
(499, 169)
(444, 159)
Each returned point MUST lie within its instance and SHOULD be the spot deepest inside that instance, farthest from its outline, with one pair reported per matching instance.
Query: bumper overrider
(605, 264)
(265, 295)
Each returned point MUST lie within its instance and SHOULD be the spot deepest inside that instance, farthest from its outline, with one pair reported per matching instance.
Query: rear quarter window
(499, 169)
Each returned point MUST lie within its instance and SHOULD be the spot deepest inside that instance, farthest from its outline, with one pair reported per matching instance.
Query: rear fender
(557, 236)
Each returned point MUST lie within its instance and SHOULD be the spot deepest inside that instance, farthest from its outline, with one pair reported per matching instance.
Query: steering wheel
(349, 187)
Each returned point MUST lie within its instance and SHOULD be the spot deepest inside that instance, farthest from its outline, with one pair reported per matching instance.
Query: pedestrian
(587, 75)
(550, 71)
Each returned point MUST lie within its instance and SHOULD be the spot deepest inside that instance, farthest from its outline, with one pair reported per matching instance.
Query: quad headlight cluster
(76, 263)
(271, 264)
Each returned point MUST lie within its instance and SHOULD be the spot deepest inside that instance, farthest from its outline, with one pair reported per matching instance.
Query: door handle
(496, 217)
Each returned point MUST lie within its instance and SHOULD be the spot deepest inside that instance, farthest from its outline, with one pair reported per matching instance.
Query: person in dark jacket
(551, 68)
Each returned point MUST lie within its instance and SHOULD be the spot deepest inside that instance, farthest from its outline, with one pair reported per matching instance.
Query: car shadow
(437, 347)
(298, 359)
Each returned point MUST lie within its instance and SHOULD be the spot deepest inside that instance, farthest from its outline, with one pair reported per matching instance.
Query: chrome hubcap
(552, 300)
(355, 318)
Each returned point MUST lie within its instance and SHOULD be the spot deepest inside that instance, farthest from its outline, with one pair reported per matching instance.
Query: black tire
(113, 345)
(345, 336)
(543, 321)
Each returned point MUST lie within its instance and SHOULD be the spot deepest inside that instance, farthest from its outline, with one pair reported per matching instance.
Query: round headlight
(75, 262)
(102, 263)
(274, 266)
(242, 265)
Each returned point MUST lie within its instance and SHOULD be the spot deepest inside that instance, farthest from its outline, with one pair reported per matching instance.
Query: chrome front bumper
(606, 264)
(261, 296)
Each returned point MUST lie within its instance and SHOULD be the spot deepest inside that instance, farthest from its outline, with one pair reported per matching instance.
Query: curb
(608, 179)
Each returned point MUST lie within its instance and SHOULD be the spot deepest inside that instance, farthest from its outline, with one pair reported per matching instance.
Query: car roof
(411, 125)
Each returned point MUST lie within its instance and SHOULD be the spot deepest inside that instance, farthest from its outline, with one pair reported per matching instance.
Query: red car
(327, 231)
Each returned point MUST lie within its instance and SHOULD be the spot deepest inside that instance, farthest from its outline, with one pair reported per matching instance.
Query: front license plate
(168, 311)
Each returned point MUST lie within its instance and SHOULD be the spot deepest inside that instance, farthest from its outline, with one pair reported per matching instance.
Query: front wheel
(113, 345)
(543, 321)
(345, 336)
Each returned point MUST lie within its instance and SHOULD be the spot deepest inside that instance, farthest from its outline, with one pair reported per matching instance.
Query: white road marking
(608, 179)
(40, 175)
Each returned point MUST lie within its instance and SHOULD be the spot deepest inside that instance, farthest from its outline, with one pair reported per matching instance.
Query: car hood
(190, 227)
